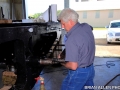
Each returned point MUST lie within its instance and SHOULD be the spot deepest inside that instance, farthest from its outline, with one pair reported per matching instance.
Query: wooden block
(8, 73)
(9, 78)
(5, 21)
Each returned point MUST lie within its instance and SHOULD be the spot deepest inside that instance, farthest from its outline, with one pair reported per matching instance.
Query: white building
(97, 13)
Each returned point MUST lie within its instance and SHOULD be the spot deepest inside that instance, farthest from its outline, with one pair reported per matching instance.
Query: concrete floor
(105, 70)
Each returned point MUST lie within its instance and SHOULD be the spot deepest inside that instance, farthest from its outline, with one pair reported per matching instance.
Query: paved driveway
(102, 48)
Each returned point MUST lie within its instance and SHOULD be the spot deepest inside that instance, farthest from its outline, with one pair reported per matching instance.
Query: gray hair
(67, 14)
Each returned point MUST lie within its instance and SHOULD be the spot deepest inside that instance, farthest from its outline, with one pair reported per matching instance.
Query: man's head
(68, 18)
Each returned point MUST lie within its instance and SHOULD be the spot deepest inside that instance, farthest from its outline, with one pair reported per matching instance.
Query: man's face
(65, 25)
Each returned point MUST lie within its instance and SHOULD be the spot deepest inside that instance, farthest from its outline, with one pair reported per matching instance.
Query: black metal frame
(26, 51)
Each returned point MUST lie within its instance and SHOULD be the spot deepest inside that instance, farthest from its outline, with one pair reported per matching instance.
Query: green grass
(99, 28)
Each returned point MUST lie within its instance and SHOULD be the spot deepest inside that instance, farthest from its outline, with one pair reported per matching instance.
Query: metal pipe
(0, 13)
(24, 9)
(51, 61)
(10, 2)
(66, 3)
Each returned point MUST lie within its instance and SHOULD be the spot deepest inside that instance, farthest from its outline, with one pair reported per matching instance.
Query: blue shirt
(80, 45)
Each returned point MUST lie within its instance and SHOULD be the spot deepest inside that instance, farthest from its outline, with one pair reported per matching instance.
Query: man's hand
(62, 55)
(59, 56)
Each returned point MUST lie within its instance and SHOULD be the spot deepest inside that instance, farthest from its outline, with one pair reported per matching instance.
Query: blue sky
(39, 6)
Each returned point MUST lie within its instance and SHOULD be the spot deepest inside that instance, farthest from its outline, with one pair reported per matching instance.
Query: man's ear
(72, 23)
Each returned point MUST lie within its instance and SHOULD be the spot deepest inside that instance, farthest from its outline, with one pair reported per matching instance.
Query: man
(80, 51)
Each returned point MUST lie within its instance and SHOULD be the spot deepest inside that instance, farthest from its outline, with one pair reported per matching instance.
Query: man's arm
(70, 65)
(67, 64)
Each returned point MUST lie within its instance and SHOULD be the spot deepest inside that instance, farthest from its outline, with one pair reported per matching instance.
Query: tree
(36, 15)
(58, 12)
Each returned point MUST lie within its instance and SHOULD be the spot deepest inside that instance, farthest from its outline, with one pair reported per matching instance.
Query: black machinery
(26, 46)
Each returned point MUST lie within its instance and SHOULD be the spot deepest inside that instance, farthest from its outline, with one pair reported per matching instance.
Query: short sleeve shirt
(80, 45)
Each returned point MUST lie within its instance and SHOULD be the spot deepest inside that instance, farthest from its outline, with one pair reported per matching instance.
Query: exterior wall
(102, 21)
(18, 9)
(7, 9)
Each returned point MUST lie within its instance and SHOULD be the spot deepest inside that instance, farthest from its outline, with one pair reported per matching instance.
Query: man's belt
(87, 66)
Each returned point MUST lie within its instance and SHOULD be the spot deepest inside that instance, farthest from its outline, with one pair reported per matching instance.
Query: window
(100, 0)
(110, 15)
(97, 14)
(84, 14)
(115, 25)
(77, 0)
(84, 0)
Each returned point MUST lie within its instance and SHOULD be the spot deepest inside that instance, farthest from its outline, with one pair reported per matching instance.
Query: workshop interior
(29, 48)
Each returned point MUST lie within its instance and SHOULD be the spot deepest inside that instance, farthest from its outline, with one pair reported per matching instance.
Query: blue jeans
(77, 79)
